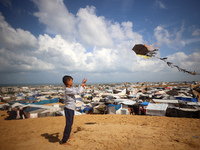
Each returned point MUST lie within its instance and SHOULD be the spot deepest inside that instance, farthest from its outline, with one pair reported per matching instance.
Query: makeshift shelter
(156, 109)
(32, 112)
(124, 111)
(145, 103)
(188, 99)
(129, 102)
(17, 105)
(112, 109)
(160, 93)
(166, 101)
(183, 112)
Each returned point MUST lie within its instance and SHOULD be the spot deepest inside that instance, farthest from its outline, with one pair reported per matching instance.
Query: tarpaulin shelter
(187, 99)
(113, 108)
(156, 109)
(129, 102)
(183, 112)
(166, 101)
(145, 103)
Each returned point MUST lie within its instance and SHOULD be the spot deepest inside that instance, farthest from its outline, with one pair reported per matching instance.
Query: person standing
(70, 104)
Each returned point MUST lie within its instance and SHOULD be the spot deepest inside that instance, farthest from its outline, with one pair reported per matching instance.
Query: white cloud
(196, 32)
(15, 40)
(160, 4)
(111, 44)
(189, 62)
(55, 16)
(173, 39)
(93, 29)
(12, 62)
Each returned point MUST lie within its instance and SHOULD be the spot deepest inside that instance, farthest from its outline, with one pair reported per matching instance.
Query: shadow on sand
(53, 138)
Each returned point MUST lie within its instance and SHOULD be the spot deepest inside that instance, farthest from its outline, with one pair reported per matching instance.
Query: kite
(147, 52)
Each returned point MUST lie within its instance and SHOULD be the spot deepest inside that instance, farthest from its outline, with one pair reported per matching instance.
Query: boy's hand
(83, 83)
(84, 80)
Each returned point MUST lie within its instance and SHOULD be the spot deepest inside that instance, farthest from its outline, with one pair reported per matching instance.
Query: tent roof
(145, 103)
(165, 101)
(153, 106)
(129, 102)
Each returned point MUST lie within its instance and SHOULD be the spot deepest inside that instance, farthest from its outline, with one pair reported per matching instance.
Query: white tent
(194, 103)
(128, 102)
(111, 110)
(166, 101)
(17, 105)
(120, 100)
(156, 109)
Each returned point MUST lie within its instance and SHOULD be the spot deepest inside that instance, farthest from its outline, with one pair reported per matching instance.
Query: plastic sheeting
(156, 109)
(166, 101)
(188, 99)
(129, 102)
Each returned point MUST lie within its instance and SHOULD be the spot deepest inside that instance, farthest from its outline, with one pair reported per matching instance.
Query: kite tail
(179, 69)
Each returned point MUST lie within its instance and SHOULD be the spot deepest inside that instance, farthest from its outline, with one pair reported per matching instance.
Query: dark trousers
(69, 115)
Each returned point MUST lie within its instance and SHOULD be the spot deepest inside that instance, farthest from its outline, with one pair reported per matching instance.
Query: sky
(43, 40)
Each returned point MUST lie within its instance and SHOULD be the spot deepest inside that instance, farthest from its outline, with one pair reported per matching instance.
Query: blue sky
(42, 40)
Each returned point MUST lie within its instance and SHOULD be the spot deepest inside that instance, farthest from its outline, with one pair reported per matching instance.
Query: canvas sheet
(156, 109)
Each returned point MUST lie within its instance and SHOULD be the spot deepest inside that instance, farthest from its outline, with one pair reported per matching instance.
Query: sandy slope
(102, 132)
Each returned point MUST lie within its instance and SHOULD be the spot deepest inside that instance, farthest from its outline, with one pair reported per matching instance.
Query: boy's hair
(66, 78)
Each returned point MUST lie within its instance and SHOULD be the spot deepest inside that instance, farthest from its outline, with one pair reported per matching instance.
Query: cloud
(55, 16)
(188, 62)
(196, 32)
(15, 40)
(160, 4)
(66, 51)
(12, 62)
(93, 29)
(172, 39)
(6, 2)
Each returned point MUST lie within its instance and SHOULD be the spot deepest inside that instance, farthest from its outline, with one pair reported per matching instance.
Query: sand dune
(113, 132)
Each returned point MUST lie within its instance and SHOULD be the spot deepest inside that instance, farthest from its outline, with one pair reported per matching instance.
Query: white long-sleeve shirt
(70, 100)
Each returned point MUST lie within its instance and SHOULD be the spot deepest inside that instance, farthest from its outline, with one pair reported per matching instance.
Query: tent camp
(156, 109)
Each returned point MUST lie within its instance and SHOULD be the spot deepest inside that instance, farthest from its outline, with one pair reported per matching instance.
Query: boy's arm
(74, 91)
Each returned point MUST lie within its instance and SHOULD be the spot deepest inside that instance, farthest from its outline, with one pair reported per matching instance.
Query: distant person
(18, 115)
(132, 110)
(21, 113)
(11, 114)
(70, 104)
(140, 110)
(143, 110)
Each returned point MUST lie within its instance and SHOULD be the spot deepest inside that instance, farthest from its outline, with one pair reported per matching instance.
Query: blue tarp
(116, 106)
(79, 99)
(145, 103)
(187, 99)
(88, 108)
(41, 102)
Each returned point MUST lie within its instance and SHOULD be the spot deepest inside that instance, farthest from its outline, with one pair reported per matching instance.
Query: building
(9, 89)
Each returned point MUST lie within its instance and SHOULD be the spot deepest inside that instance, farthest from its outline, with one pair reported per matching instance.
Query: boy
(70, 104)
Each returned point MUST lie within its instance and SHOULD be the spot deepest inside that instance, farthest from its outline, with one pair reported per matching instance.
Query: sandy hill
(110, 132)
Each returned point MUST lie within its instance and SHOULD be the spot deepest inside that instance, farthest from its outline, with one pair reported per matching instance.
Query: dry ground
(101, 132)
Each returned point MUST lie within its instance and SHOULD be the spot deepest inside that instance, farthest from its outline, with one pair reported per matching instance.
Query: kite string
(92, 76)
